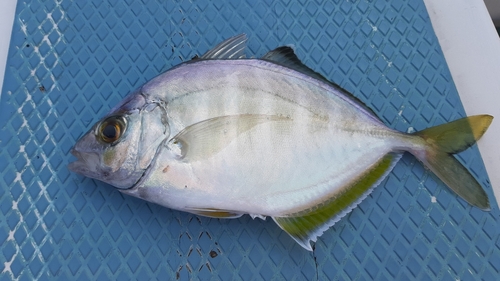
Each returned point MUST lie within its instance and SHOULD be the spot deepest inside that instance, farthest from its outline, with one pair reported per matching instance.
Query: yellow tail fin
(443, 141)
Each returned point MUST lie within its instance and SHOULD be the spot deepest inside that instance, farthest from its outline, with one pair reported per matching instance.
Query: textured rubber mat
(71, 61)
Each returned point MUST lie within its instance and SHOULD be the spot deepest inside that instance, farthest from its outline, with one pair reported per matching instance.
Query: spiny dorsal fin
(308, 225)
(285, 56)
(231, 48)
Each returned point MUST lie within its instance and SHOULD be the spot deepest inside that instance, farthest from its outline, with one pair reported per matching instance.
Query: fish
(223, 136)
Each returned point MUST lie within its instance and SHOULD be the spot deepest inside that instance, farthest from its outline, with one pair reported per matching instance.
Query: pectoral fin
(214, 213)
(308, 225)
(203, 139)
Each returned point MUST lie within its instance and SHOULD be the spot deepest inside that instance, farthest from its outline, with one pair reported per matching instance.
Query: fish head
(120, 147)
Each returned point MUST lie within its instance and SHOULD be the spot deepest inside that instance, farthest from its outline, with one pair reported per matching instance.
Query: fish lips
(86, 164)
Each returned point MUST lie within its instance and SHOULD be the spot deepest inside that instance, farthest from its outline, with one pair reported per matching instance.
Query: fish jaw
(84, 162)
(88, 164)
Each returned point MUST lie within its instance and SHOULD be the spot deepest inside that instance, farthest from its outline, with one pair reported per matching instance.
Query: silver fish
(222, 136)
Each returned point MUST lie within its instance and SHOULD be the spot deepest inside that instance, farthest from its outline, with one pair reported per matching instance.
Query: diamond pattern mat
(71, 61)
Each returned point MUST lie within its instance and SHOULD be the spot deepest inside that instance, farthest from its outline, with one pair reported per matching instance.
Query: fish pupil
(110, 132)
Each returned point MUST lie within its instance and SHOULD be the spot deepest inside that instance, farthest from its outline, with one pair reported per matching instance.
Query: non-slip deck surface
(71, 61)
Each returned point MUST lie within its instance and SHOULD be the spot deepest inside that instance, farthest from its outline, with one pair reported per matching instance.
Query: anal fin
(307, 225)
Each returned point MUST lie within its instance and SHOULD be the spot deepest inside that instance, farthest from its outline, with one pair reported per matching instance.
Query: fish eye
(111, 129)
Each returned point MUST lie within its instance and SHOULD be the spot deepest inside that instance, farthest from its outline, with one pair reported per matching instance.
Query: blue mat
(71, 61)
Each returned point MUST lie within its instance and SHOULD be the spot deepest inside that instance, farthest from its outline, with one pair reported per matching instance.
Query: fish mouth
(88, 164)
(74, 166)
(85, 163)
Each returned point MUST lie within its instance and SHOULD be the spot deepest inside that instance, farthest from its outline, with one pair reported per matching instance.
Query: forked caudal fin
(444, 140)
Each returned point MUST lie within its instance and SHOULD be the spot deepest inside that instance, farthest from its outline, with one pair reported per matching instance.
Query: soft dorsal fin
(231, 48)
(308, 225)
(285, 56)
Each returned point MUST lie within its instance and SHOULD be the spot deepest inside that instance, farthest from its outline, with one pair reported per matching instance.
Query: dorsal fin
(308, 225)
(231, 48)
(285, 56)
